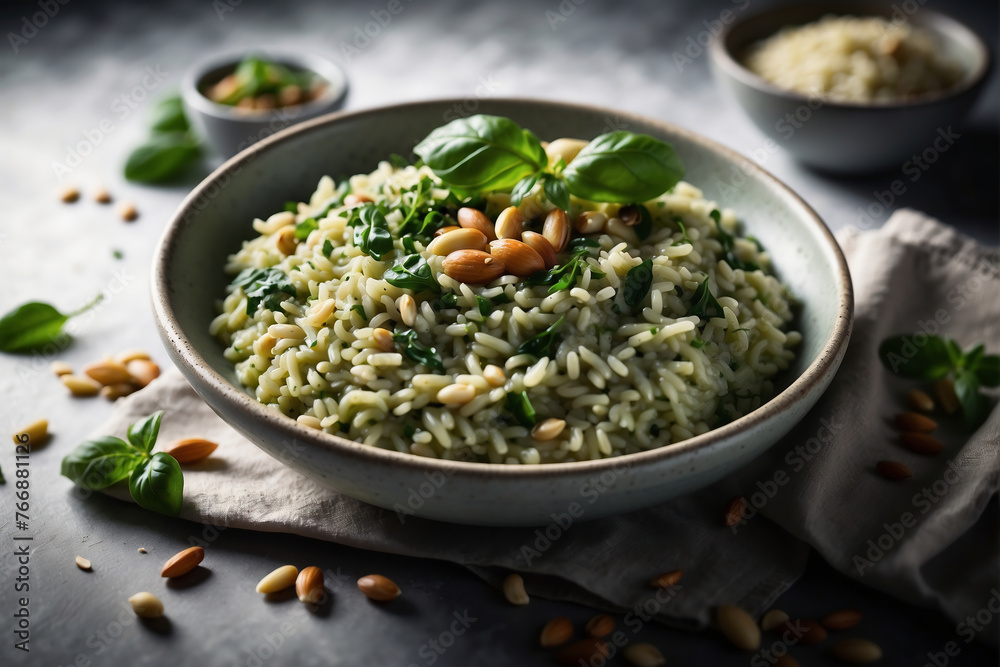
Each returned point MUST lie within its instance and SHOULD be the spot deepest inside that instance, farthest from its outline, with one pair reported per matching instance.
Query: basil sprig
(34, 325)
(412, 272)
(486, 153)
(269, 285)
(564, 276)
(155, 481)
(938, 357)
(371, 233)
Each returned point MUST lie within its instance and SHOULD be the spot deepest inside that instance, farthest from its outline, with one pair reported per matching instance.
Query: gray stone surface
(88, 65)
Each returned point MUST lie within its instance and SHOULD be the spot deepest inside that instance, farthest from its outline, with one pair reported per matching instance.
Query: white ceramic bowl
(215, 219)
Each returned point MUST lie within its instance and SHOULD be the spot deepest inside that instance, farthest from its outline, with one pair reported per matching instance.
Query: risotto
(853, 59)
(394, 311)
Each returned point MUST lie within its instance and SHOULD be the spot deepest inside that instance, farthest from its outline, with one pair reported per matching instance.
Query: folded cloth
(829, 497)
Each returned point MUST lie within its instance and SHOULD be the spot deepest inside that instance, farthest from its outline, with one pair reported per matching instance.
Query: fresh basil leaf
(292, 206)
(637, 283)
(157, 484)
(645, 226)
(556, 191)
(33, 325)
(372, 235)
(903, 357)
(433, 221)
(420, 203)
(702, 301)
(484, 305)
(417, 351)
(305, 228)
(582, 242)
(398, 161)
(449, 300)
(267, 285)
(541, 344)
(412, 272)
(408, 245)
(97, 464)
(142, 434)
(409, 430)
(360, 310)
(954, 352)
(519, 405)
(162, 158)
(974, 405)
(623, 167)
(169, 116)
(522, 189)
(988, 371)
(482, 153)
(327, 248)
(973, 357)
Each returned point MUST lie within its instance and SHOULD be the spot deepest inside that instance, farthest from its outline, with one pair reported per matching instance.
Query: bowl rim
(191, 362)
(319, 65)
(728, 62)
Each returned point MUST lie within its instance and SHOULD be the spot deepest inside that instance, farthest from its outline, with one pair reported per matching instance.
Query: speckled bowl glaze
(843, 136)
(215, 218)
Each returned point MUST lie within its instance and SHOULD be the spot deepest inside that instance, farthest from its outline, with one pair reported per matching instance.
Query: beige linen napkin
(834, 502)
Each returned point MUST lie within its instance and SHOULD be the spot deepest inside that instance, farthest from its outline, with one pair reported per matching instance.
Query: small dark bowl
(229, 130)
(850, 136)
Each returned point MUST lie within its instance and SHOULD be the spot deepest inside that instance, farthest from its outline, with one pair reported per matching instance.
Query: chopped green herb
(412, 272)
(541, 344)
(372, 235)
(117, 254)
(645, 226)
(398, 161)
(305, 228)
(637, 283)
(267, 285)
(484, 306)
(702, 301)
(698, 343)
(409, 430)
(292, 206)
(360, 310)
(448, 300)
(408, 245)
(327, 248)
(417, 351)
(519, 405)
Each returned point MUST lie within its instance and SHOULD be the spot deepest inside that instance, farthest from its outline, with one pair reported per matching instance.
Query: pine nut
(495, 375)
(644, 655)
(556, 230)
(113, 392)
(739, 627)
(69, 194)
(278, 580)
(61, 368)
(128, 211)
(146, 605)
(143, 371)
(557, 631)
(83, 564)
(81, 385)
(548, 429)
(510, 223)
(383, 339)
(944, 389)
(37, 432)
(378, 588)
(590, 222)
(309, 585)
(459, 239)
(856, 651)
(284, 240)
(667, 579)
(893, 470)
(182, 562)
(407, 308)
(102, 196)
(616, 227)
(921, 443)
(513, 589)
(131, 354)
(599, 626)
(107, 371)
(471, 218)
(841, 619)
(537, 242)
(774, 618)
(918, 400)
(913, 421)
(456, 394)
(583, 652)
(734, 511)
(448, 229)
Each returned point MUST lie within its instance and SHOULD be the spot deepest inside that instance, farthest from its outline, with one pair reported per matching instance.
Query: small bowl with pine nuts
(236, 100)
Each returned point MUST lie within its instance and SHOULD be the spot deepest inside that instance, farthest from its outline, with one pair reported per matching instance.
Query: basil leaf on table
(157, 484)
(412, 272)
(34, 325)
(930, 361)
(482, 153)
(372, 235)
(267, 285)
(163, 157)
(637, 283)
(97, 464)
(540, 345)
(142, 434)
(556, 191)
(417, 351)
(623, 167)
(169, 116)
